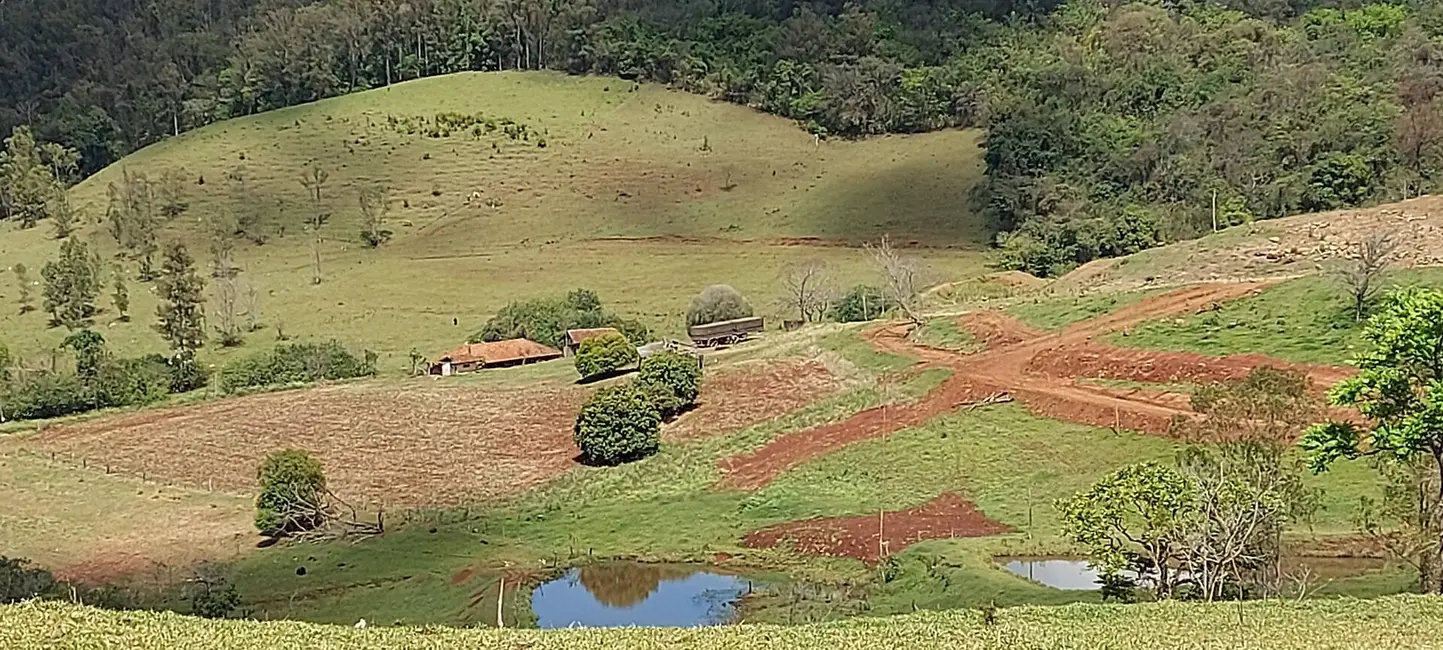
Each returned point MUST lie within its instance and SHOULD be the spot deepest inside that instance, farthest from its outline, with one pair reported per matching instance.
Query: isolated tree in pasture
(293, 496)
(807, 288)
(245, 207)
(375, 204)
(132, 221)
(1363, 274)
(120, 296)
(314, 180)
(71, 284)
(62, 215)
(22, 285)
(717, 303)
(170, 194)
(902, 277)
(1397, 390)
(180, 315)
(252, 299)
(227, 311)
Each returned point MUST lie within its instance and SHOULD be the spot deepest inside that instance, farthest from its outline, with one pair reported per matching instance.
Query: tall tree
(28, 186)
(22, 284)
(72, 283)
(181, 313)
(120, 298)
(314, 180)
(1399, 391)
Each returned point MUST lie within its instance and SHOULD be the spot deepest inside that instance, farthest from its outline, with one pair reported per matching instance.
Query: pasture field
(1395, 623)
(642, 194)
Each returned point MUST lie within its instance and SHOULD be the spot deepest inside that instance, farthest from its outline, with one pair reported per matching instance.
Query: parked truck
(724, 332)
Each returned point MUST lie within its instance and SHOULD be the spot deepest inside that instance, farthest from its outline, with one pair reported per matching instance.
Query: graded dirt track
(1040, 370)
(868, 538)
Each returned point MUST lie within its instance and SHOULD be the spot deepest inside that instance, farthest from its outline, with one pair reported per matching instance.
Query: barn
(499, 354)
(573, 338)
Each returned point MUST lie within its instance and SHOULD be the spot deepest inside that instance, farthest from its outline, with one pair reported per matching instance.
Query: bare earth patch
(752, 393)
(415, 444)
(869, 537)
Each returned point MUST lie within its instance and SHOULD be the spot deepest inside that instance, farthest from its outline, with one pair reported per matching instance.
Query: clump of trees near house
(546, 320)
(621, 424)
(602, 355)
(295, 363)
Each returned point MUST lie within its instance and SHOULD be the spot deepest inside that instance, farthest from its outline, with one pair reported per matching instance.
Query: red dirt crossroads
(1046, 372)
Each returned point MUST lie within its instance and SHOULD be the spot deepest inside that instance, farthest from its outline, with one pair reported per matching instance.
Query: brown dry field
(751, 393)
(415, 444)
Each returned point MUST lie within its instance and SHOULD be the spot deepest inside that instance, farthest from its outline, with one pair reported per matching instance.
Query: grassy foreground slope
(1389, 623)
(639, 192)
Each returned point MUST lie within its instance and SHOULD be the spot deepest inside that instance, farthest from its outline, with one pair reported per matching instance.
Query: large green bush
(296, 363)
(293, 493)
(617, 425)
(860, 303)
(673, 379)
(604, 354)
(717, 303)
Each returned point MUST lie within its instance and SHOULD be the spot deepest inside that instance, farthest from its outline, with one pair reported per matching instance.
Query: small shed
(500, 354)
(572, 341)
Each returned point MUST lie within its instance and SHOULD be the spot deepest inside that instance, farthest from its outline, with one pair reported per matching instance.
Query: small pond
(645, 595)
(1074, 574)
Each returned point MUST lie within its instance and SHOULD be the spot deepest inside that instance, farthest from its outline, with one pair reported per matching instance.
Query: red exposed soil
(869, 537)
(1105, 362)
(750, 394)
(1037, 369)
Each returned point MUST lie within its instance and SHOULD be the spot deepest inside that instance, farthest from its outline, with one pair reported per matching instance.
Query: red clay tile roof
(500, 352)
(575, 337)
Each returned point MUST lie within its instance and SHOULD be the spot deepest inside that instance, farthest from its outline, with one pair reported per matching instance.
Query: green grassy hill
(639, 192)
(1393, 623)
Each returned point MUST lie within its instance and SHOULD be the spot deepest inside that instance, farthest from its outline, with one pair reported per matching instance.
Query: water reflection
(1076, 575)
(646, 595)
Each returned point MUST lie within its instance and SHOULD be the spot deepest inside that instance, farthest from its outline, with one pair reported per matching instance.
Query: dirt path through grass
(1025, 365)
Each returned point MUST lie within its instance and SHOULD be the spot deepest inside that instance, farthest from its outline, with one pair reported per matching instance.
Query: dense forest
(1111, 127)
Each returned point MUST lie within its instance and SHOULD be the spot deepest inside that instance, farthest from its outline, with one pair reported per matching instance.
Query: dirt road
(1042, 371)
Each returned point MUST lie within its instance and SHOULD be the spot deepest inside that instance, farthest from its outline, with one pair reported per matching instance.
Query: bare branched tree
(252, 306)
(314, 180)
(1363, 274)
(227, 310)
(903, 275)
(808, 289)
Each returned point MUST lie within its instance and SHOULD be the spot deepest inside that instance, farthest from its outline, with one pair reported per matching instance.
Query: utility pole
(1215, 210)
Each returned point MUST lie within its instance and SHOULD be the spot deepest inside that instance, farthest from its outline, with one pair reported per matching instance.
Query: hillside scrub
(295, 363)
(617, 425)
(717, 303)
(604, 354)
(98, 381)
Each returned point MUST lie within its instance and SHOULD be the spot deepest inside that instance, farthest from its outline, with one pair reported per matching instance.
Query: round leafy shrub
(293, 492)
(617, 425)
(604, 354)
(717, 303)
(861, 303)
(674, 378)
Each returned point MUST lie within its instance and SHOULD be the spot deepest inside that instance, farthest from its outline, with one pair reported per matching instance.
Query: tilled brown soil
(871, 537)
